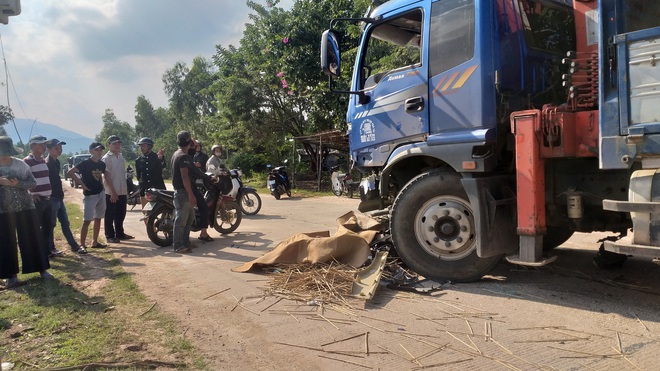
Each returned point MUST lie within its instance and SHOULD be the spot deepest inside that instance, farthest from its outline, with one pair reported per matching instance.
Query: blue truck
(492, 129)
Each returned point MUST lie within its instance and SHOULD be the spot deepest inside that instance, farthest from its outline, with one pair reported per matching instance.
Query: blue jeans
(58, 212)
(184, 216)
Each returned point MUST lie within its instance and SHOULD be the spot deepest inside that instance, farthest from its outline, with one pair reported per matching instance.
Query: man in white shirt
(115, 196)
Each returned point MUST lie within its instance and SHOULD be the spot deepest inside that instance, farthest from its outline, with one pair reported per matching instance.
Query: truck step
(515, 259)
(626, 246)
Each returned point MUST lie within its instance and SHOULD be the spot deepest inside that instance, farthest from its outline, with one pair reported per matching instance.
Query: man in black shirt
(149, 168)
(57, 198)
(184, 198)
(92, 171)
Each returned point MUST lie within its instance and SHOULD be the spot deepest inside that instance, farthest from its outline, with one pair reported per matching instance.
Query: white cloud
(71, 59)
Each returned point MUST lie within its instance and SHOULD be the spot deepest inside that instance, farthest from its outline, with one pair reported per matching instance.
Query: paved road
(569, 315)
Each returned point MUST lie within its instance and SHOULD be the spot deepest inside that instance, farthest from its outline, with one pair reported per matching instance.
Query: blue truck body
(520, 116)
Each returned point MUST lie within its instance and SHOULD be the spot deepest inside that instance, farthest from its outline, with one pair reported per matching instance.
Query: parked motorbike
(278, 182)
(224, 212)
(133, 189)
(247, 197)
(342, 182)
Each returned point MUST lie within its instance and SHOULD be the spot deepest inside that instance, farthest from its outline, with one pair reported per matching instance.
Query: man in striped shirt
(41, 193)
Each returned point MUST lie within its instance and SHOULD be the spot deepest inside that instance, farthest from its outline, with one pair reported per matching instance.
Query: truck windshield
(548, 27)
(393, 45)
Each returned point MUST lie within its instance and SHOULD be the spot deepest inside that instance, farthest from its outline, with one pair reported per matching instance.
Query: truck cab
(497, 128)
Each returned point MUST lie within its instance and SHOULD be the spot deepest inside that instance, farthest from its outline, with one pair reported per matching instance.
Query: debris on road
(367, 279)
(321, 283)
(349, 246)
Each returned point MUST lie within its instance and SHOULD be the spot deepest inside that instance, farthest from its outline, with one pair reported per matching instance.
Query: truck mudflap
(494, 210)
(644, 207)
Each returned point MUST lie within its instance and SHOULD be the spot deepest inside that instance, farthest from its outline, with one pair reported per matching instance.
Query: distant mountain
(75, 143)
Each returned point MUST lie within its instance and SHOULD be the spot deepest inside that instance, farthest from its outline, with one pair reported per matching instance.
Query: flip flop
(184, 250)
(206, 238)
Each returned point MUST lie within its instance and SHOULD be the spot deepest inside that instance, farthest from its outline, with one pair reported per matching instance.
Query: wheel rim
(163, 225)
(444, 227)
(249, 205)
(226, 217)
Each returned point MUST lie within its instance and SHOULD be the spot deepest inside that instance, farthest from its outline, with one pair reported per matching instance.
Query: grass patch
(91, 312)
(303, 188)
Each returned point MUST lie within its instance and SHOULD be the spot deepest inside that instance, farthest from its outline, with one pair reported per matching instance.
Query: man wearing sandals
(92, 171)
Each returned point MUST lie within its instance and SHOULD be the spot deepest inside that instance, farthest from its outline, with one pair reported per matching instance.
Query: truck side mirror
(330, 53)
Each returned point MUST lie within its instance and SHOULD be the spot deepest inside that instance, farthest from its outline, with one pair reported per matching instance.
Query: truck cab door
(392, 76)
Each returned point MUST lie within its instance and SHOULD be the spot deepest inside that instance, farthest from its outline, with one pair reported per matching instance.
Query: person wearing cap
(18, 219)
(42, 192)
(200, 157)
(149, 168)
(92, 173)
(116, 196)
(57, 198)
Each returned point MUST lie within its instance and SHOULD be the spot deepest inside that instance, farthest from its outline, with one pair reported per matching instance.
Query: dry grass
(324, 283)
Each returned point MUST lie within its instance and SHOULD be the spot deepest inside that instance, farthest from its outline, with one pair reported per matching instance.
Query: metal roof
(334, 139)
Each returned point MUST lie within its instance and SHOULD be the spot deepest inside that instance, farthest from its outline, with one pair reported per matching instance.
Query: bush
(247, 162)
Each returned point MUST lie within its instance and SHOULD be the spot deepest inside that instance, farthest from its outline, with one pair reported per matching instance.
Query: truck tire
(433, 229)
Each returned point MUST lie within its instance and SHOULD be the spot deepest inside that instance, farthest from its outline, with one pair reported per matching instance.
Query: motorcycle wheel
(288, 192)
(250, 203)
(227, 217)
(160, 226)
(276, 194)
(349, 191)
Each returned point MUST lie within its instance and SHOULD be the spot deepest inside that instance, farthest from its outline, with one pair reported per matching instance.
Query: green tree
(271, 88)
(147, 122)
(6, 115)
(190, 99)
(113, 126)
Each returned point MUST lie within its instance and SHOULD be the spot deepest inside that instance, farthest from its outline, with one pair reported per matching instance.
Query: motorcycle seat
(164, 192)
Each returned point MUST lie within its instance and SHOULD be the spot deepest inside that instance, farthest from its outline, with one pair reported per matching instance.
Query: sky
(70, 60)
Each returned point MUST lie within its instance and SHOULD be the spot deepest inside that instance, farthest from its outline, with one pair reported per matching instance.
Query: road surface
(569, 315)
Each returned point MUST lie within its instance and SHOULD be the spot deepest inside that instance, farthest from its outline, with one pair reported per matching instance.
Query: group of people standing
(102, 178)
(32, 198)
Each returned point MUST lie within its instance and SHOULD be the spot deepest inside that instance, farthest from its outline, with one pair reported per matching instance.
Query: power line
(9, 80)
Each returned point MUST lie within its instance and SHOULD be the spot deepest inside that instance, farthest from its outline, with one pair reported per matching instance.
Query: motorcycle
(133, 190)
(250, 201)
(224, 212)
(278, 181)
(342, 182)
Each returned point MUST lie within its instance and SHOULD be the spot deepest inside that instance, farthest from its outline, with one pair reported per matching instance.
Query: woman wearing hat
(18, 217)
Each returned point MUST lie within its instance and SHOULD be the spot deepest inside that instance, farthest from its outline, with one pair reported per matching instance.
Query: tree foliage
(113, 126)
(191, 101)
(6, 115)
(253, 97)
(270, 88)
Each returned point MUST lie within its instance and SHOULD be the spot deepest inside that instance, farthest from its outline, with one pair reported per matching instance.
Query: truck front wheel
(433, 229)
